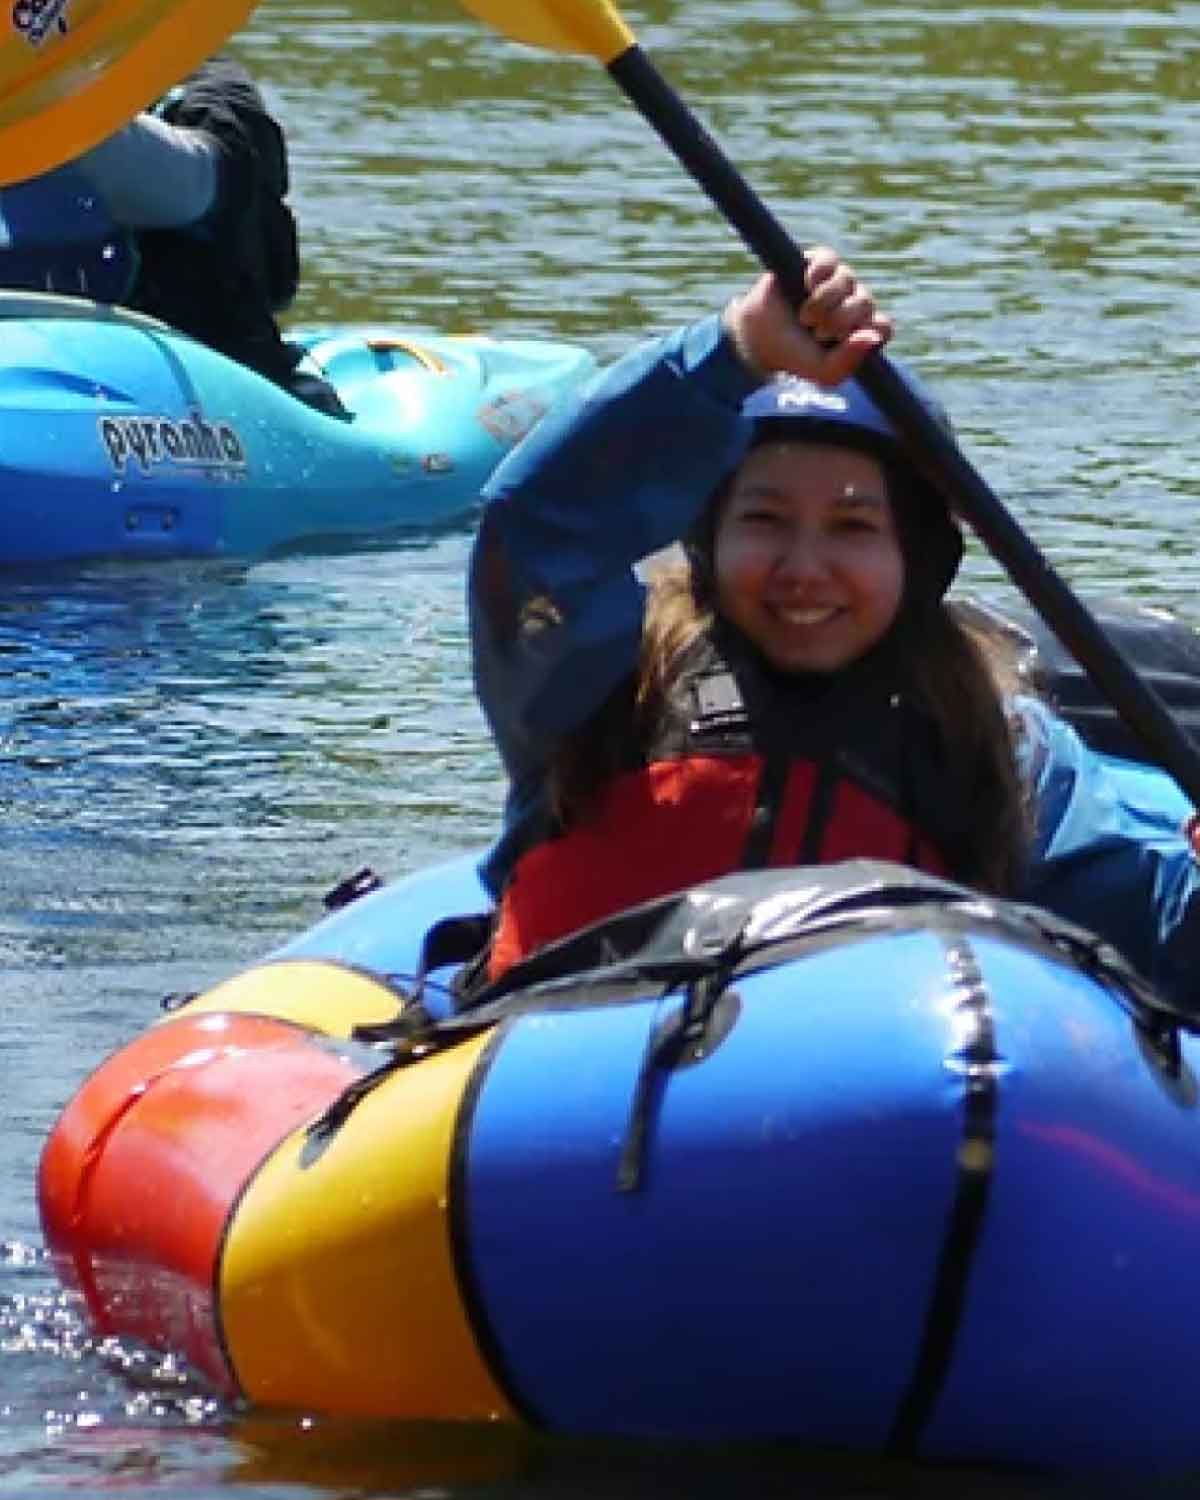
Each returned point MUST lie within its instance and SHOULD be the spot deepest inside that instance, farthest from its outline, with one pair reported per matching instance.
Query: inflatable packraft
(847, 1156)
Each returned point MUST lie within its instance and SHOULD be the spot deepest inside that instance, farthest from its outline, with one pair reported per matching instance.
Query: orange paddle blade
(592, 27)
(73, 71)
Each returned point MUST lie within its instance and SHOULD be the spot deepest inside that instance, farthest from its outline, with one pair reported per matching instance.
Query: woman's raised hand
(825, 339)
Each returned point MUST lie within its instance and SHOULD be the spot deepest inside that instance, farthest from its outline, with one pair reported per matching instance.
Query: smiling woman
(799, 692)
(596, 28)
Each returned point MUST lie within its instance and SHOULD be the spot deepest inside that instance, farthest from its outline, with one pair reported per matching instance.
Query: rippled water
(190, 756)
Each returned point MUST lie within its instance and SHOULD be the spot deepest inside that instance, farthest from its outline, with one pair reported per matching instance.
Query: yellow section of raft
(344, 1251)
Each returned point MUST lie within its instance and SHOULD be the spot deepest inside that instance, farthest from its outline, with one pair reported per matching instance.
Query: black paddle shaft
(931, 449)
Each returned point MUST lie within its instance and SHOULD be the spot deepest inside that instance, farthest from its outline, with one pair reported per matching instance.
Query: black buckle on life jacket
(717, 704)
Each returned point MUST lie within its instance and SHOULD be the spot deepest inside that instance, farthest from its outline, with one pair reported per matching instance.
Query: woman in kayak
(797, 690)
(181, 215)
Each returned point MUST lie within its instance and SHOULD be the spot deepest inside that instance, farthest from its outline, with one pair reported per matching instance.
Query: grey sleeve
(152, 175)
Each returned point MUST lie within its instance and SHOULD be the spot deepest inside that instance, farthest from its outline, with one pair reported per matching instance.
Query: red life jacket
(746, 769)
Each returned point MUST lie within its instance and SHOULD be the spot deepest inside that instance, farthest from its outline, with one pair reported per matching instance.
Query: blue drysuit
(622, 472)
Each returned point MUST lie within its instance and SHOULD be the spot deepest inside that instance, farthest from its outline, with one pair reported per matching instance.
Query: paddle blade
(73, 71)
(593, 27)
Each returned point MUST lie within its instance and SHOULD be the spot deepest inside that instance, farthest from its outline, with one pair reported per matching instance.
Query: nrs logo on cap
(798, 397)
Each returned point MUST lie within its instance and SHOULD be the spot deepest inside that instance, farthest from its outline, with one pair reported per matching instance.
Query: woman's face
(807, 559)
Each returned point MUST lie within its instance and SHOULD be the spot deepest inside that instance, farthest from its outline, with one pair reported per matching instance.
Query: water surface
(191, 755)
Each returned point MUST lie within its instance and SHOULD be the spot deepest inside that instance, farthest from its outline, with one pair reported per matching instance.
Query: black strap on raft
(756, 919)
(696, 943)
(459, 940)
(414, 1032)
(692, 1033)
(412, 1036)
(978, 1057)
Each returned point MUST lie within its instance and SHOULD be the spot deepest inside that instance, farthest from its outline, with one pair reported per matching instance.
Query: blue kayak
(844, 1156)
(120, 438)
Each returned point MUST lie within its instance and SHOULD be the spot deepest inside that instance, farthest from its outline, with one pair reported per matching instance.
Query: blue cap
(847, 405)
(797, 410)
